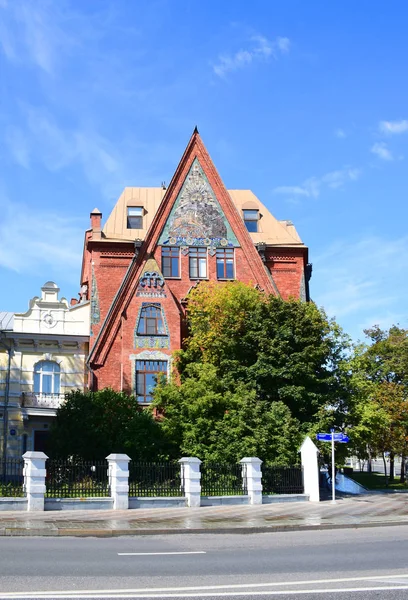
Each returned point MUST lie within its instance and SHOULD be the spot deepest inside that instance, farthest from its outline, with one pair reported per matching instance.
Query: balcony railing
(41, 400)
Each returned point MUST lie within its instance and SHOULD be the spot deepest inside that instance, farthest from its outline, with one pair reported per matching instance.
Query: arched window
(47, 375)
(151, 321)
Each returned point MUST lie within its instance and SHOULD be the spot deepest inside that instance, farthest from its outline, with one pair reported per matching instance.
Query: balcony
(41, 400)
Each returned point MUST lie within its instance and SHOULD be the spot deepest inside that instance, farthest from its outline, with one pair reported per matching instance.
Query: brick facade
(113, 273)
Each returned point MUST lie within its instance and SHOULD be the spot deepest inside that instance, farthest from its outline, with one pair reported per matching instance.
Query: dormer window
(251, 218)
(134, 217)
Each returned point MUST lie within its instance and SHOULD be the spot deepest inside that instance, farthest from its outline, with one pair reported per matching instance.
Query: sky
(305, 103)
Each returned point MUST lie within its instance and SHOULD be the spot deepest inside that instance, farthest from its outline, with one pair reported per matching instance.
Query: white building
(42, 357)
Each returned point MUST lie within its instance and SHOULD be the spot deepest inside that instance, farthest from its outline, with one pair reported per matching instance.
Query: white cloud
(261, 49)
(393, 127)
(35, 32)
(340, 133)
(312, 187)
(359, 281)
(31, 239)
(381, 150)
(56, 148)
(294, 190)
(283, 44)
(17, 145)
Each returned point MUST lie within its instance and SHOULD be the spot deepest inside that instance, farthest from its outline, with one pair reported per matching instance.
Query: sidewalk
(368, 510)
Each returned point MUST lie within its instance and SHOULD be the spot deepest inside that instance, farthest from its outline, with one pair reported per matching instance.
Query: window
(151, 321)
(24, 439)
(225, 263)
(251, 218)
(147, 372)
(170, 261)
(47, 376)
(134, 217)
(198, 263)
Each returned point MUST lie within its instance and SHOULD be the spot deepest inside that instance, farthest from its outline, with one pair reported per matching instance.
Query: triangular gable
(197, 218)
(195, 151)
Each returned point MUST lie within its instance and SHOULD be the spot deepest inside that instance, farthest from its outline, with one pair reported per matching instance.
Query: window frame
(135, 216)
(226, 256)
(168, 261)
(197, 256)
(251, 219)
(141, 370)
(41, 375)
(156, 319)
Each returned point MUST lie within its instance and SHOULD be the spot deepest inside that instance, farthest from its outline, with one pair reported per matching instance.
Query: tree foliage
(253, 375)
(92, 425)
(207, 419)
(378, 410)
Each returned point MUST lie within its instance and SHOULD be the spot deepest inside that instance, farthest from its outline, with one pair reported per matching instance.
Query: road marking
(158, 553)
(153, 592)
(309, 591)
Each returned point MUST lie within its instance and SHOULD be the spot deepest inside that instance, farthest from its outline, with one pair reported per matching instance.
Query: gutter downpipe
(6, 403)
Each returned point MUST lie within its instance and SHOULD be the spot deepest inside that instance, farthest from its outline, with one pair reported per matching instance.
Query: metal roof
(6, 320)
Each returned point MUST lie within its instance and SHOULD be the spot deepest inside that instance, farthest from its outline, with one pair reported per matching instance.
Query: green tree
(92, 425)
(208, 420)
(379, 386)
(253, 376)
(287, 350)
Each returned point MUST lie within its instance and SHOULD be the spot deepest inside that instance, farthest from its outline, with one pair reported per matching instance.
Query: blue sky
(305, 103)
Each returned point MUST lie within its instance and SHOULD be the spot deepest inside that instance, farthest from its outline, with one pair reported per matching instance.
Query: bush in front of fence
(11, 478)
(76, 479)
(91, 425)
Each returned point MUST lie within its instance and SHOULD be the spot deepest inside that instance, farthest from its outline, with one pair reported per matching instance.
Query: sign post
(333, 437)
(333, 471)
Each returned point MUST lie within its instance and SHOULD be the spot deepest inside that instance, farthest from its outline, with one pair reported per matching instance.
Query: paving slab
(368, 510)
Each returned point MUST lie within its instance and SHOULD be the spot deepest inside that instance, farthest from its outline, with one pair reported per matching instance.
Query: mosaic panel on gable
(197, 218)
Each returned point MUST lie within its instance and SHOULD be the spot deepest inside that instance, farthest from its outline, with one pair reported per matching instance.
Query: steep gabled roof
(195, 150)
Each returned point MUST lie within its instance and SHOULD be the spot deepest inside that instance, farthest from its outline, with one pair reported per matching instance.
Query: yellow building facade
(42, 357)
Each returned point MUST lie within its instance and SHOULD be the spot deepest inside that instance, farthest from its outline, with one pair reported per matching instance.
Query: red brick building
(158, 243)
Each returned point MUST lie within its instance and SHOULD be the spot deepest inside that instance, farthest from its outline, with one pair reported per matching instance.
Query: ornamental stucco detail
(197, 218)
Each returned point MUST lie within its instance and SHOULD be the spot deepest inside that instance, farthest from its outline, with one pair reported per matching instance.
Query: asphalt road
(344, 564)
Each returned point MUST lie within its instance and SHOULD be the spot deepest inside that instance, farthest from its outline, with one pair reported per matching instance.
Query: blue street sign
(324, 437)
(327, 437)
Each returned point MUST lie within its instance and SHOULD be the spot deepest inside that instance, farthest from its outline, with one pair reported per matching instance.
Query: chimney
(96, 217)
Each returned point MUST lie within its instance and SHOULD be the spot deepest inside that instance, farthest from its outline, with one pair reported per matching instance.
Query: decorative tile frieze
(95, 310)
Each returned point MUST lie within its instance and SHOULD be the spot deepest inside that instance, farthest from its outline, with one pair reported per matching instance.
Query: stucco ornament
(49, 320)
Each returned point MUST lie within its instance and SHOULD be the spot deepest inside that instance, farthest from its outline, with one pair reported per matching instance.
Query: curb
(106, 533)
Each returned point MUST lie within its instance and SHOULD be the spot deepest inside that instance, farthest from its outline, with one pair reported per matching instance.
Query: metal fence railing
(11, 477)
(282, 480)
(222, 479)
(76, 479)
(155, 479)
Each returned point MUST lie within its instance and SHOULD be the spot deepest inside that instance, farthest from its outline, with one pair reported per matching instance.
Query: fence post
(191, 476)
(252, 472)
(309, 453)
(118, 473)
(34, 479)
